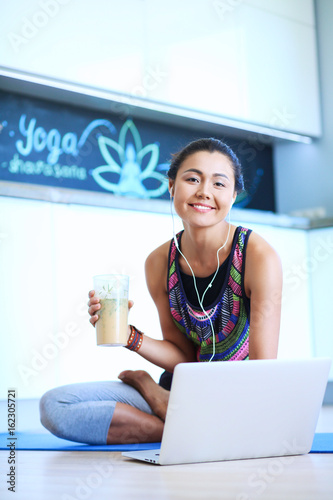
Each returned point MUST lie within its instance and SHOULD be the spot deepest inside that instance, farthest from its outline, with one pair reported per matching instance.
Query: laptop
(240, 409)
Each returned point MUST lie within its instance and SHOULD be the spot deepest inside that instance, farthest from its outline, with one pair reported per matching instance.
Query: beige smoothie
(111, 326)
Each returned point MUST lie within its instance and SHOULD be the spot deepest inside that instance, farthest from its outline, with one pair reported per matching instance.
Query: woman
(206, 298)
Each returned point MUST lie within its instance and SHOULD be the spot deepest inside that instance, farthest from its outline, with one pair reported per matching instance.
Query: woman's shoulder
(159, 254)
(156, 269)
(263, 270)
(156, 264)
(258, 249)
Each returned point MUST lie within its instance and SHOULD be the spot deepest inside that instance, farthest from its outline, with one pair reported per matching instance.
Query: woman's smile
(200, 207)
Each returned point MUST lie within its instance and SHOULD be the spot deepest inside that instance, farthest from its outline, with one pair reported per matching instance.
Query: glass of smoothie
(112, 324)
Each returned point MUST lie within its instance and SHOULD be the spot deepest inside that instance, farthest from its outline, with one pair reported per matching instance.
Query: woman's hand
(94, 306)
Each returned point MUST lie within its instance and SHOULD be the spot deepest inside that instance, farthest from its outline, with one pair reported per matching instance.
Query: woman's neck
(200, 246)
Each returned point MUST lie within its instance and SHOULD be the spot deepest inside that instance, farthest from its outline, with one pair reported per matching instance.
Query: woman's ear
(171, 188)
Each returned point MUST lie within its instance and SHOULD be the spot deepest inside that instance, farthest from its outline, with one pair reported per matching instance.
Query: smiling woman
(217, 290)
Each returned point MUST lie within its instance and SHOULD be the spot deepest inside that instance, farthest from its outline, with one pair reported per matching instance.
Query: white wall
(304, 173)
(48, 255)
(250, 61)
(320, 269)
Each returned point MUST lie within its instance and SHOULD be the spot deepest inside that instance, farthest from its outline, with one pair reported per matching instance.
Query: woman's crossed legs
(130, 411)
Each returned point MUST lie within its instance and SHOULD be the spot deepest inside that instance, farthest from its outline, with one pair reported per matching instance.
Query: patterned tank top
(229, 314)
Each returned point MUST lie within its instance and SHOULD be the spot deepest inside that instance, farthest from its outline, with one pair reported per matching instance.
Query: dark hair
(211, 145)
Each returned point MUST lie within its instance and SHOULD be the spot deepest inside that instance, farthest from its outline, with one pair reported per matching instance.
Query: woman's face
(204, 188)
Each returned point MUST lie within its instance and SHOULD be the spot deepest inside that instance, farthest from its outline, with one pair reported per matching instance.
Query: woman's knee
(48, 405)
(44, 408)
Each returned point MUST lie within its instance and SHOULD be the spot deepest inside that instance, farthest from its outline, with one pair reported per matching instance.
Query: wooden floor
(102, 475)
(51, 475)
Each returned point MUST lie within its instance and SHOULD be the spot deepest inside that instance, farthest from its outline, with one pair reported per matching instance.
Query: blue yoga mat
(47, 441)
(322, 443)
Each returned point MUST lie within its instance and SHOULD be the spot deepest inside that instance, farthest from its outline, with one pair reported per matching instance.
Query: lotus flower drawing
(128, 159)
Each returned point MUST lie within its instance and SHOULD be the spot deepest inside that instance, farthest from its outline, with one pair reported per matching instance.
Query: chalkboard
(50, 144)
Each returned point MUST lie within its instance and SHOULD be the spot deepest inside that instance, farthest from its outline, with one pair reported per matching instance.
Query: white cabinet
(241, 63)
(253, 61)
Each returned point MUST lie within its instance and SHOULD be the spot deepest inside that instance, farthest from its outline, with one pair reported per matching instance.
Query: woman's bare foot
(154, 394)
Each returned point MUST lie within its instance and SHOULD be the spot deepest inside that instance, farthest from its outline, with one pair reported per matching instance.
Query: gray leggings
(83, 412)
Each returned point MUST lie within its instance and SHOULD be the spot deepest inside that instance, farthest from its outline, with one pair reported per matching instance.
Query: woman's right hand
(94, 306)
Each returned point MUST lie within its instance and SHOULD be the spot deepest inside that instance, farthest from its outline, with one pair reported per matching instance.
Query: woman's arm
(263, 285)
(175, 347)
